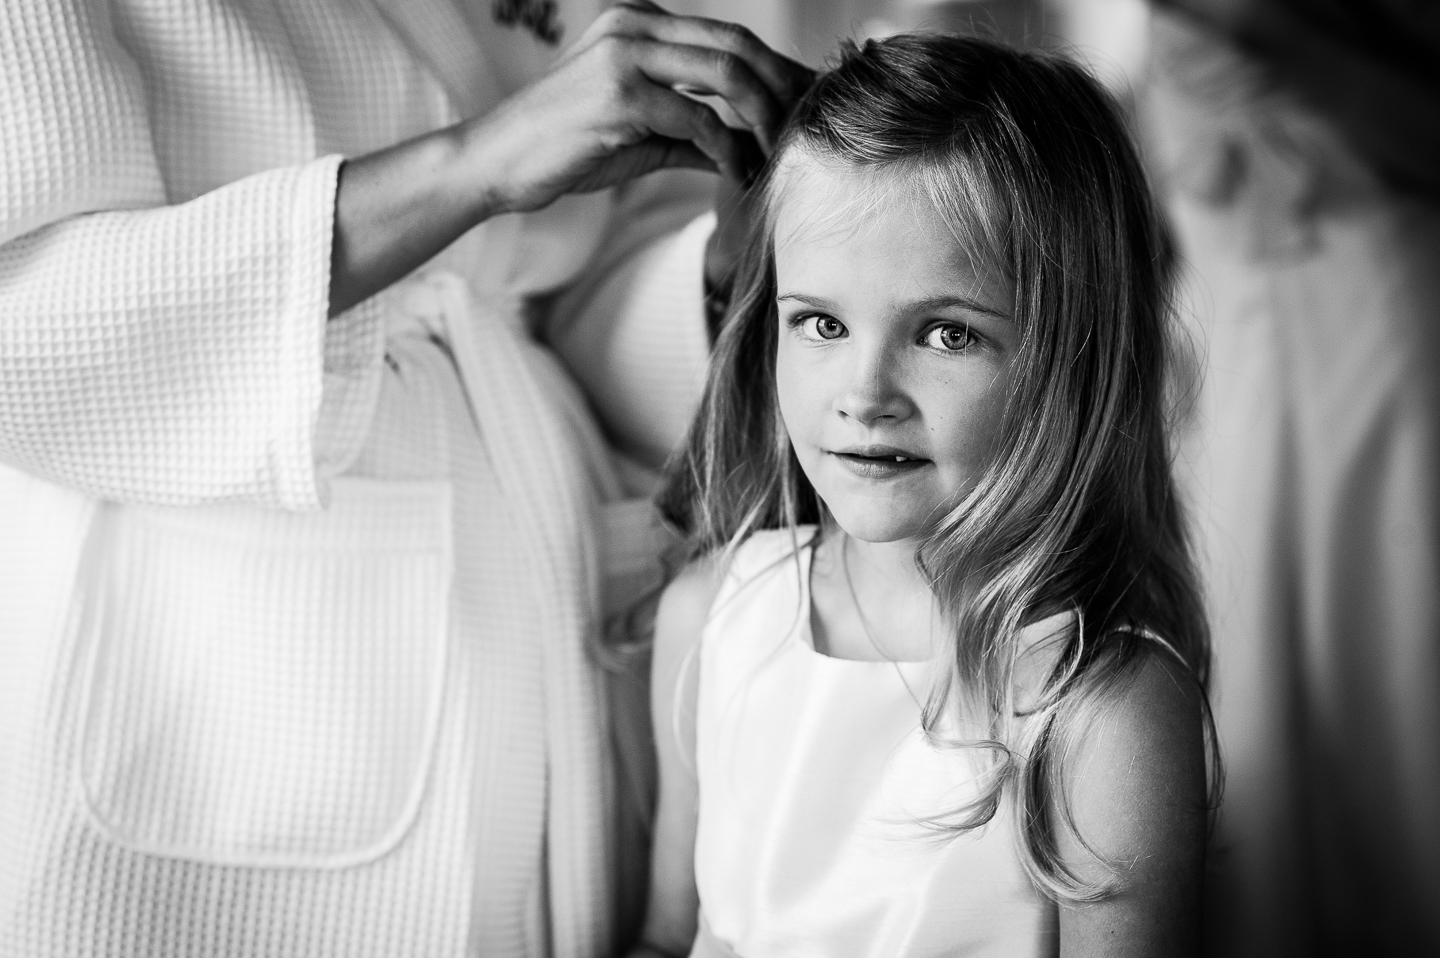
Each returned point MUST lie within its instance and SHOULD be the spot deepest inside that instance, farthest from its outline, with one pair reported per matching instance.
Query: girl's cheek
(789, 388)
(783, 395)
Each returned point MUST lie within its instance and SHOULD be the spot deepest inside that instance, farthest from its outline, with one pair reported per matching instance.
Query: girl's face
(895, 350)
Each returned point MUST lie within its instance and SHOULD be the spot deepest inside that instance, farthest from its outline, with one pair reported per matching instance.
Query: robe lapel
(547, 487)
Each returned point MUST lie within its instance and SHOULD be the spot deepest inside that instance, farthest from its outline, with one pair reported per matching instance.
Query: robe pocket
(265, 688)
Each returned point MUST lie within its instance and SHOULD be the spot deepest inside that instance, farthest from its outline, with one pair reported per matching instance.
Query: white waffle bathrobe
(293, 615)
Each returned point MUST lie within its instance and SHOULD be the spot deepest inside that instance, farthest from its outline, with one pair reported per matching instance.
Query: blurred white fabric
(1313, 465)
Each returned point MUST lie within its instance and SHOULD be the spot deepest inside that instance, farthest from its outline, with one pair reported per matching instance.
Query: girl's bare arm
(1137, 788)
(672, 916)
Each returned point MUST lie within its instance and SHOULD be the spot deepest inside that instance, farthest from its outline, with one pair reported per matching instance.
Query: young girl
(935, 685)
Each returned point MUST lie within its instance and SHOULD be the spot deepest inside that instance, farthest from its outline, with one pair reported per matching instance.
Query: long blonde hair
(1030, 161)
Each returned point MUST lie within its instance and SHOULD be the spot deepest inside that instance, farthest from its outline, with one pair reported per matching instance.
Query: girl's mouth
(880, 464)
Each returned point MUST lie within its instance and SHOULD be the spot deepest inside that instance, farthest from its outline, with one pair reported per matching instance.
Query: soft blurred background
(1296, 147)
(1110, 34)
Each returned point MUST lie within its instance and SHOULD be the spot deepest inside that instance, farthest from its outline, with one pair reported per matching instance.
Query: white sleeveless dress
(814, 775)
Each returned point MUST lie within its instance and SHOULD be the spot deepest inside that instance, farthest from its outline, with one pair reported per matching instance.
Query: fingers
(662, 153)
(631, 90)
(674, 117)
(783, 79)
(707, 71)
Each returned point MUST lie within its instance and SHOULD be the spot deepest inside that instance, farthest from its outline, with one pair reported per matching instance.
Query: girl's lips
(879, 467)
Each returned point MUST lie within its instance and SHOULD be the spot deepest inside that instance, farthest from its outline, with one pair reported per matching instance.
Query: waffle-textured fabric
(294, 614)
(816, 780)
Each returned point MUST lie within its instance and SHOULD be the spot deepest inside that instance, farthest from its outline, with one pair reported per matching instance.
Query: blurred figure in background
(1301, 145)
(817, 25)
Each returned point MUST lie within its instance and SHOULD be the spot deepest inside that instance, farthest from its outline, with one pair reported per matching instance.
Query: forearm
(397, 208)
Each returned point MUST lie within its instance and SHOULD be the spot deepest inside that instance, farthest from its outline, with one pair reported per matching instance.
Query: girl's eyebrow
(962, 302)
(812, 301)
(922, 305)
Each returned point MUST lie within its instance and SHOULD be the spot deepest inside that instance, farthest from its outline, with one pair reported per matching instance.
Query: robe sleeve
(169, 354)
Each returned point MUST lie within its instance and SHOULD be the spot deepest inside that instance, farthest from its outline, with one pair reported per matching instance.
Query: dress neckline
(805, 633)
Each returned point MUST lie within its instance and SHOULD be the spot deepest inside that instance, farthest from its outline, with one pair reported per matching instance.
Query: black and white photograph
(704, 479)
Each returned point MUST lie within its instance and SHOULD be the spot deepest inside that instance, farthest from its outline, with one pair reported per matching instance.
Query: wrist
(472, 178)
(396, 208)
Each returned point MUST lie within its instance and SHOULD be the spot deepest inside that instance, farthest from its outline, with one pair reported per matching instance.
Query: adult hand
(620, 103)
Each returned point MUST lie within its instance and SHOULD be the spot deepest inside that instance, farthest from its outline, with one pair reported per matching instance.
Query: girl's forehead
(820, 200)
(872, 243)
(820, 197)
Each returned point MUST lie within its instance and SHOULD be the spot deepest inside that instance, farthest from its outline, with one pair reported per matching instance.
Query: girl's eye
(950, 337)
(821, 327)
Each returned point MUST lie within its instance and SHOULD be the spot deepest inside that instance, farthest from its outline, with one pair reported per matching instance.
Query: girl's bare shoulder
(686, 603)
(1145, 747)
(1139, 799)
(688, 599)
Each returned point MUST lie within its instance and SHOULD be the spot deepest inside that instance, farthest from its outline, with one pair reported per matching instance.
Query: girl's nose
(872, 391)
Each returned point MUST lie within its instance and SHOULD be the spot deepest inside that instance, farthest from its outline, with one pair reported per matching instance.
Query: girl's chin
(870, 525)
